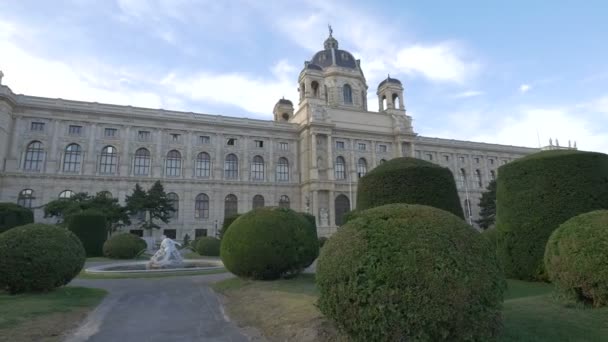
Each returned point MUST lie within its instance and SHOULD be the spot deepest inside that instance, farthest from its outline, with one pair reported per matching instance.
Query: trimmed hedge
(404, 272)
(13, 215)
(39, 257)
(267, 243)
(310, 251)
(322, 241)
(90, 227)
(412, 181)
(536, 194)
(576, 258)
(123, 246)
(226, 224)
(208, 246)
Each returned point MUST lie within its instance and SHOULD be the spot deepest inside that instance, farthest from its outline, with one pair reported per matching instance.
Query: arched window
(231, 206)
(34, 156)
(201, 206)
(203, 165)
(173, 164)
(462, 178)
(231, 167)
(348, 94)
(478, 177)
(467, 208)
(340, 168)
(141, 164)
(493, 175)
(257, 168)
(284, 202)
(105, 194)
(361, 167)
(26, 197)
(383, 104)
(302, 91)
(258, 201)
(315, 88)
(395, 101)
(66, 194)
(283, 170)
(72, 158)
(174, 202)
(342, 204)
(108, 160)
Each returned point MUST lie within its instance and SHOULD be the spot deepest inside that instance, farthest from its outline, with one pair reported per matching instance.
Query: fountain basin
(139, 267)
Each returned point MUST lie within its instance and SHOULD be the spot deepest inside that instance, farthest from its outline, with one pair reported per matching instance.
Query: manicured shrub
(576, 258)
(404, 272)
(412, 181)
(227, 222)
(267, 243)
(39, 257)
(13, 215)
(536, 194)
(310, 248)
(208, 246)
(123, 246)
(90, 227)
(186, 241)
(322, 241)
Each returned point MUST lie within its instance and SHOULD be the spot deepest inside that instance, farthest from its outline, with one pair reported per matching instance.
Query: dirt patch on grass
(52, 327)
(282, 310)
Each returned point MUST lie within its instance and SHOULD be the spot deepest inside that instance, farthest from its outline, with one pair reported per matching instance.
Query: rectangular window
(491, 161)
(138, 232)
(231, 142)
(382, 148)
(429, 156)
(175, 137)
(143, 135)
(75, 130)
(204, 139)
(259, 143)
(170, 233)
(340, 145)
(476, 160)
(110, 132)
(283, 146)
(447, 158)
(200, 233)
(37, 126)
(362, 146)
(461, 159)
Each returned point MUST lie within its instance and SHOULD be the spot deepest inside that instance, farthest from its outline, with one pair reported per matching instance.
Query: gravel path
(174, 309)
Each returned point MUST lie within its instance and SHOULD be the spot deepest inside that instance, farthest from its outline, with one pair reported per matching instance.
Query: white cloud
(439, 62)
(468, 93)
(524, 88)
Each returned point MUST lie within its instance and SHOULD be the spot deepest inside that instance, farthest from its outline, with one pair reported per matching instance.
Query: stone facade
(309, 159)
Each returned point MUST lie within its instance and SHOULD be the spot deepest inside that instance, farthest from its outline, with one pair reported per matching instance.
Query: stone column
(125, 163)
(330, 159)
(189, 158)
(91, 164)
(332, 208)
(315, 206)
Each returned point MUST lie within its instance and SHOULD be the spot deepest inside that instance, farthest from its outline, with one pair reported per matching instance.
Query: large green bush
(39, 257)
(404, 272)
(412, 181)
(226, 224)
(576, 258)
(13, 215)
(310, 250)
(208, 246)
(123, 246)
(536, 194)
(90, 227)
(267, 243)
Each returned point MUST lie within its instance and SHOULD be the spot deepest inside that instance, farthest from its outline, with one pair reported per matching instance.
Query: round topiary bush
(412, 181)
(404, 272)
(123, 246)
(90, 227)
(226, 224)
(536, 194)
(208, 246)
(576, 258)
(39, 257)
(267, 243)
(13, 215)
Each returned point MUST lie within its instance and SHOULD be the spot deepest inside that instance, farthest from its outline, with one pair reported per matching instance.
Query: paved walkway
(163, 309)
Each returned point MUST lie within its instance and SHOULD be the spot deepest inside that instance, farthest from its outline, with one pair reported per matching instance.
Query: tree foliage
(487, 204)
(149, 205)
(13, 215)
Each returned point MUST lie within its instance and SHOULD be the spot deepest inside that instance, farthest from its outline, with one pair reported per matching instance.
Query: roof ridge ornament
(331, 31)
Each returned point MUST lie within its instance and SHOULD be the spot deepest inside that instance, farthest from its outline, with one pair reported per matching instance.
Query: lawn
(288, 312)
(45, 316)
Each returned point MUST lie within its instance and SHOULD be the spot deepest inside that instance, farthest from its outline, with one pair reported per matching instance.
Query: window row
(462, 178)
(108, 163)
(340, 167)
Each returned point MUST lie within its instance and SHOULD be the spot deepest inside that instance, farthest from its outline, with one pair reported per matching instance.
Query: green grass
(530, 312)
(84, 275)
(16, 309)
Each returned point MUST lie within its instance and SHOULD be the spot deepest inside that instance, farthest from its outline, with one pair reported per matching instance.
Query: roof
(389, 80)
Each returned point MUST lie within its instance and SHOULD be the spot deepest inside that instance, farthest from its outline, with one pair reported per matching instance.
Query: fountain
(167, 259)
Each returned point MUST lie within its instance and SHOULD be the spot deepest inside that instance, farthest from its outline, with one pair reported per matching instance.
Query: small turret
(390, 95)
(283, 110)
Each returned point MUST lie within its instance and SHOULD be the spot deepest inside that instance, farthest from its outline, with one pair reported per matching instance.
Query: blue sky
(503, 72)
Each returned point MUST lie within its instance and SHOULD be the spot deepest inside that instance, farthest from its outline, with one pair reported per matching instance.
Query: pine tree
(149, 205)
(487, 204)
